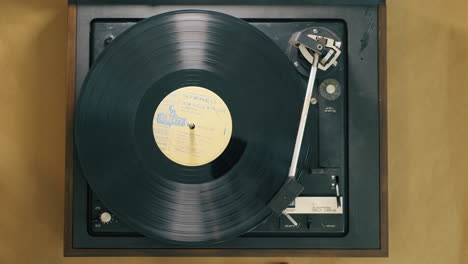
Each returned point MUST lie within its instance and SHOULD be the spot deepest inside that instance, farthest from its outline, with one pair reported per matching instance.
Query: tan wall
(428, 135)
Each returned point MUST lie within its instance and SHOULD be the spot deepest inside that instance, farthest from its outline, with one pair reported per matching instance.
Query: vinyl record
(186, 124)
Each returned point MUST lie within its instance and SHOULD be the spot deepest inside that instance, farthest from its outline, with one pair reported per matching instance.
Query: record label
(192, 126)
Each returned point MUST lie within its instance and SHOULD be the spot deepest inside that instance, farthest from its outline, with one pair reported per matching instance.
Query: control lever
(337, 189)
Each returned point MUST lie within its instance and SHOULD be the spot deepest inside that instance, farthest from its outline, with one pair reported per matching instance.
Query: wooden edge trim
(382, 21)
(225, 253)
(70, 105)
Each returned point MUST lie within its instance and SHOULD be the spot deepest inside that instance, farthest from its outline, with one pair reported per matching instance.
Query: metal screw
(319, 47)
(108, 40)
(313, 101)
(296, 64)
(315, 31)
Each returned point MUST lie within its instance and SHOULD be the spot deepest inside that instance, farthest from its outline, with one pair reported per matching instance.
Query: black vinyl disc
(115, 139)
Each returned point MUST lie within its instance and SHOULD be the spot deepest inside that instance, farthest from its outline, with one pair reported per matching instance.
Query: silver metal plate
(316, 205)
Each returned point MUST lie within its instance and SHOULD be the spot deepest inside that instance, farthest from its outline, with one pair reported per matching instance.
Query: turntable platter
(185, 126)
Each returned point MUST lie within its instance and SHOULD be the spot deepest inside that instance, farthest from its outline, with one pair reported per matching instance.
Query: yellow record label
(192, 126)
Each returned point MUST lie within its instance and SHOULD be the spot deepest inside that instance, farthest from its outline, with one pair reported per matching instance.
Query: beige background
(428, 135)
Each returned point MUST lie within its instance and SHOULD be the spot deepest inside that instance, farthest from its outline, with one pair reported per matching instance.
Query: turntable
(211, 128)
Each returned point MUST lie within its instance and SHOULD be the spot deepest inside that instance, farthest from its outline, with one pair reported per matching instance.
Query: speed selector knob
(105, 217)
(330, 89)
